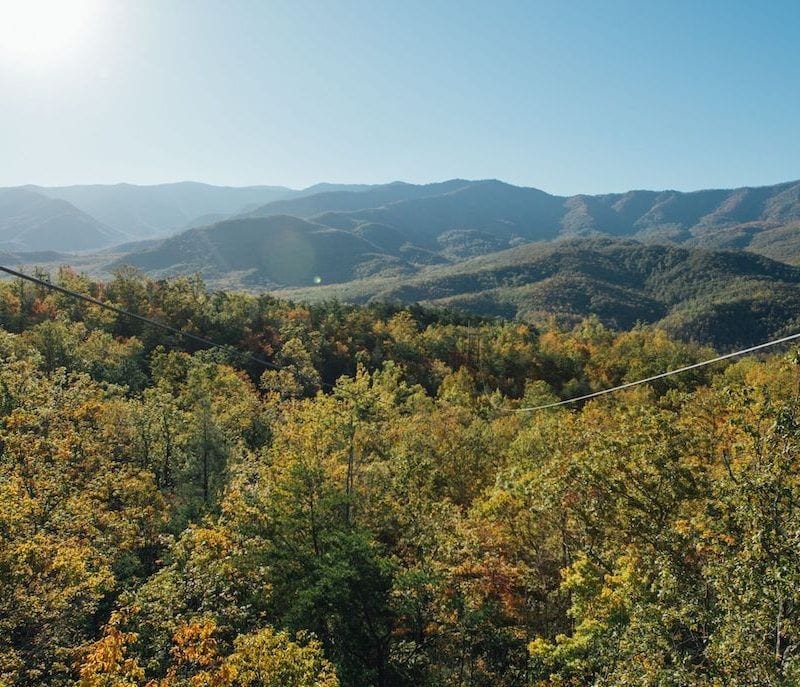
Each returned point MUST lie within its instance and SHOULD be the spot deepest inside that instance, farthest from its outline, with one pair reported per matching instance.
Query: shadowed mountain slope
(264, 251)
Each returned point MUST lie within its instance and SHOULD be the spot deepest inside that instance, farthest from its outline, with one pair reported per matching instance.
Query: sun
(41, 32)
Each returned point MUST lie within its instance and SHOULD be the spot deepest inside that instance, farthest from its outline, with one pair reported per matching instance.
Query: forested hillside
(722, 298)
(726, 299)
(368, 509)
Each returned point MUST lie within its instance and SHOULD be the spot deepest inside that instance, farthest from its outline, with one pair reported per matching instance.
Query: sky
(569, 97)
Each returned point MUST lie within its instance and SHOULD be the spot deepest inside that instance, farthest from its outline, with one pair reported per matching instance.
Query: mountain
(265, 251)
(327, 199)
(714, 218)
(726, 298)
(451, 220)
(30, 221)
(325, 187)
(147, 211)
(493, 209)
(160, 209)
(403, 228)
(461, 218)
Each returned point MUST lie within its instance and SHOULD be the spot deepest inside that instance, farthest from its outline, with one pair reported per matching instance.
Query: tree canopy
(372, 514)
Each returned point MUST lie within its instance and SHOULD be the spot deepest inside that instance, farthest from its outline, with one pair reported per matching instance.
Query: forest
(373, 507)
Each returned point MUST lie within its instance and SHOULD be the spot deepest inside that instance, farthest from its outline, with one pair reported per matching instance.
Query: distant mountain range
(401, 228)
(407, 224)
(122, 212)
(484, 246)
(147, 211)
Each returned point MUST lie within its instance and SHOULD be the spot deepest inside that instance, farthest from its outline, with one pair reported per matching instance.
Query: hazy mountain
(162, 209)
(329, 199)
(30, 221)
(146, 211)
(460, 218)
(325, 187)
(724, 297)
(420, 225)
(266, 251)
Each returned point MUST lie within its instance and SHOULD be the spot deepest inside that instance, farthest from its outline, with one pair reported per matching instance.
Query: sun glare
(42, 32)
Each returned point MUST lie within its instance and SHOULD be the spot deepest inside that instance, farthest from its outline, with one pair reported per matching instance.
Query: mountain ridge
(412, 226)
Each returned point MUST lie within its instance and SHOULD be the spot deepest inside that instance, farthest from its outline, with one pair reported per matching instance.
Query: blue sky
(566, 96)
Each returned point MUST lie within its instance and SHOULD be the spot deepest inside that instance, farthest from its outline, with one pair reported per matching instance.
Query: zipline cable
(155, 323)
(662, 375)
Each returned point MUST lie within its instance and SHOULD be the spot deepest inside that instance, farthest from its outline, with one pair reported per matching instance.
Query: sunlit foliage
(372, 513)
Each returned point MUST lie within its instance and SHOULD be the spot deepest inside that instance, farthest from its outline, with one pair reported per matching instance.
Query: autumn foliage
(374, 512)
